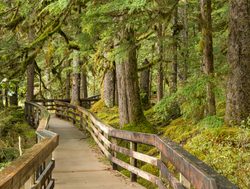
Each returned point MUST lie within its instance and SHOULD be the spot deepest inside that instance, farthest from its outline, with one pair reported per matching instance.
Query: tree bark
(135, 111)
(109, 88)
(122, 97)
(84, 84)
(1, 98)
(75, 97)
(208, 61)
(160, 74)
(185, 39)
(68, 85)
(174, 65)
(30, 82)
(145, 85)
(6, 98)
(238, 86)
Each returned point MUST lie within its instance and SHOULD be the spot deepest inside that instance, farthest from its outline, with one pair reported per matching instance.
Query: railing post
(113, 153)
(74, 116)
(133, 161)
(81, 122)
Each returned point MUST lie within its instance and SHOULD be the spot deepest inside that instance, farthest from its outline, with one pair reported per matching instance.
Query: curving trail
(78, 166)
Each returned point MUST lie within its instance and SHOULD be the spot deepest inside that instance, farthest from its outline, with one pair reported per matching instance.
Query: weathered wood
(197, 172)
(33, 160)
(137, 155)
(15, 175)
(152, 178)
(165, 173)
(133, 161)
(104, 150)
(44, 176)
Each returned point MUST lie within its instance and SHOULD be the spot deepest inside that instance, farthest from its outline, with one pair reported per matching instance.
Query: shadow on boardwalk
(77, 165)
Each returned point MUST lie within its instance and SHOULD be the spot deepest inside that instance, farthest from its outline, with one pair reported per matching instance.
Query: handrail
(196, 172)
(84, 102)
(34, 168)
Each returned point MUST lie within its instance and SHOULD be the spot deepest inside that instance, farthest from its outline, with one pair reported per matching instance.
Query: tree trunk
(145, 85)
(84, 84)
(238, 86)
(160, 75)
(174, 65)
(109, 88)
(1, 98)
(185, 39)
(30, 82)
(6, 97)
(206, 23)
(135, 111)
(75, 97)
(14, 97)
(122, 97)
(68, 85)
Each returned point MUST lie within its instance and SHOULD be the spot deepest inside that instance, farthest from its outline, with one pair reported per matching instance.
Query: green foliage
(56, 7)
(211, 122)
(225, 149)
(13, 125)
(144, 127)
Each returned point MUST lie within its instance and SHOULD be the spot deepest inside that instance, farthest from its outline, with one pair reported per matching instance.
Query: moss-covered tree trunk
(135, 111)
(75, 92)
(160, 74)
(145, 85)
(185, 41)
(84, 84)
(68, 85)
(208, 61)
(30, 81)
(1, 98)
(6, 97)
(174, 64)
(122, 96)
(109, 88)
(238, 86)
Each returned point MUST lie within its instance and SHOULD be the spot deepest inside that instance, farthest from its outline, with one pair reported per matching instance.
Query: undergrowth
(13, 125)
(224, 148)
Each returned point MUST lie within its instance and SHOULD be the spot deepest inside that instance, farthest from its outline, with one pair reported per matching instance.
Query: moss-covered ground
(226, 149)
(13, 125)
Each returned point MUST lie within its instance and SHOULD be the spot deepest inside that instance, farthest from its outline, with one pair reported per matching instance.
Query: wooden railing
(34, 168)
(85, 102)
(114, 142)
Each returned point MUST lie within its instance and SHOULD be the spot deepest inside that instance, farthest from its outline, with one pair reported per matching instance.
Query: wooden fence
(34, 168)
(195, 172)
(50, 103)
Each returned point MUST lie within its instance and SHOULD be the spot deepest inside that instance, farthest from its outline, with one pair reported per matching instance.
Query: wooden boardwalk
(79, 166)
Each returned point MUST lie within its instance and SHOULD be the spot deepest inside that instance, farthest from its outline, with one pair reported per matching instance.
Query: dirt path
(79, 166)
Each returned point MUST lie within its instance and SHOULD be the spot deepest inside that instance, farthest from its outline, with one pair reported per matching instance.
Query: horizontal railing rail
(34, 168)
(193, 171)
(85, 102)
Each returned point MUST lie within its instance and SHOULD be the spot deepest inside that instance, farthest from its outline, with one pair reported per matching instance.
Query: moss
(98, 106)
(143, 127)
(13, 125)
(225, 149)
(179, 131)
(107, 115)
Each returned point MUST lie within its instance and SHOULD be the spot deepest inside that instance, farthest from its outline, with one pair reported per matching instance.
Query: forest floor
(226, 149)
(13, 125)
